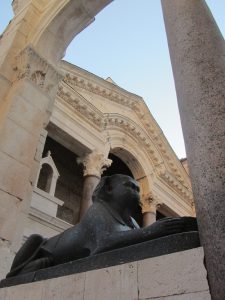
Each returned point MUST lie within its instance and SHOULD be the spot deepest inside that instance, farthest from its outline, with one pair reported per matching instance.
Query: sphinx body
(107, 225)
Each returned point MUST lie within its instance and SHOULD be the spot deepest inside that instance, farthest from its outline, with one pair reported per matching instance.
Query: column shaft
(148, 218)
(197, 52)
(90, 183)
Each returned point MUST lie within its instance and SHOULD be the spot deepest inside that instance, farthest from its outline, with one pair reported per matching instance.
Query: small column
(94, 165)
(149, 207)
(197, 51)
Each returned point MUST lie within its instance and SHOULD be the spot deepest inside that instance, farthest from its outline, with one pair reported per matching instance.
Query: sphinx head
(118, 189)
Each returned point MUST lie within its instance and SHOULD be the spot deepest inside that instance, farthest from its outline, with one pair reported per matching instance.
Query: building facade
(96, 128)
(38, 91)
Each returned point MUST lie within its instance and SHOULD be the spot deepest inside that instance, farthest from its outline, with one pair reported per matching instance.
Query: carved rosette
(94, 163)
(150, 204)
(33, 67)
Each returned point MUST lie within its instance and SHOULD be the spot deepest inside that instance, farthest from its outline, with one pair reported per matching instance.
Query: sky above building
(127, 42)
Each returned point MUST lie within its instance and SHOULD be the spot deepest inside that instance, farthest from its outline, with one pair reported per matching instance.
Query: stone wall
(180, 275)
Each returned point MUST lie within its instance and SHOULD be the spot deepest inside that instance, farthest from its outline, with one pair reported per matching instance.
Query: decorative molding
(105, 121)
(48, 221)
(15, 5)
(76, 81)
(150, 203)
(139, 109)
(91, 115)
(135, 131)
(32, 66)
(150, 136)
(94, 163)
(176, 185)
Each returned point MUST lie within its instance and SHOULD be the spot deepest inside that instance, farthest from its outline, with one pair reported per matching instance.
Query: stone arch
(122, 127)
(60, 22)
(134, 157)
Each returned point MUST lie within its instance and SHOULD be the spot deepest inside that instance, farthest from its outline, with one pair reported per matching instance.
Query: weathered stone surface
(190, 296)
(122, 282)
(157, 247)
(9, 178)
(6, 258)
(118, 282)
(197, 54)
(178, 273)
(24, 292)
(21, 145)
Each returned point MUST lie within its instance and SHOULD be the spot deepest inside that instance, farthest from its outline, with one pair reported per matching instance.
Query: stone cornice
(106, 121)
(150, 136)
(138, 106)
(52, 222)
(33, 67)
(160, 141)
(82, 107)
(135, 131)
(113, 95)
(176, 185)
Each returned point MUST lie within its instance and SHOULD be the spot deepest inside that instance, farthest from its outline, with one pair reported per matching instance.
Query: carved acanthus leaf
(94, 163)
(32, 66)
(150, 203)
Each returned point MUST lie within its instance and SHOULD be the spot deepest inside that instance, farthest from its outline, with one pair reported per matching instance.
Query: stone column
(94, 164)
(149, 207)
(197, 51)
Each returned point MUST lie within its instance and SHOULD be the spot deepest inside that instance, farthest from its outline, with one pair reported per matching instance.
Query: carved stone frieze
(94, 163)
(157, 152)
(32, 66)
(150, 203)
(94, 117)
(140, 109)
(131, 128)
(98, 90)
(157, 135)
(176, 185)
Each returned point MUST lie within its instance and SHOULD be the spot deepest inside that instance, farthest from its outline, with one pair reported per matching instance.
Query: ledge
(149, 249)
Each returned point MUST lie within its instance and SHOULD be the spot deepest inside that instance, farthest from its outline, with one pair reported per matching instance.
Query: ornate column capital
(95, 163)
(30, 65)
(150, 203)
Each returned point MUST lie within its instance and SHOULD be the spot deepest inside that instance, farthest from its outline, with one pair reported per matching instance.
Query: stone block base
(6, 258)
(179, 275)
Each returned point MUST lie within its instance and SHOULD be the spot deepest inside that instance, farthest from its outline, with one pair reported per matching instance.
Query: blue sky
(127, 42)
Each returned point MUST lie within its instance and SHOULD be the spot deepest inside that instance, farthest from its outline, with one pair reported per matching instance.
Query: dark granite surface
(161, 246)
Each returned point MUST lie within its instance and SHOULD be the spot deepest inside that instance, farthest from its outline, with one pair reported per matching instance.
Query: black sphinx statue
(107, 225)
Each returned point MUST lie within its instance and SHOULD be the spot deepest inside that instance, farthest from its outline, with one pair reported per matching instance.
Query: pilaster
(27, 108)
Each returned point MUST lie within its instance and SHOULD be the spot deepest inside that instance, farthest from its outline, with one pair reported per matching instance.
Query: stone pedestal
(180, 275)
(197, 51)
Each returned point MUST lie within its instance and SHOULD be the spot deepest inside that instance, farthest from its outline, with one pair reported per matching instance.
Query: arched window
(48, 175)
(45, 178)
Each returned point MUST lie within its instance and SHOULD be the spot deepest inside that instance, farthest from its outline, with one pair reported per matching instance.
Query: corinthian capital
(94, 163)
(30, 65)
(150, 203)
